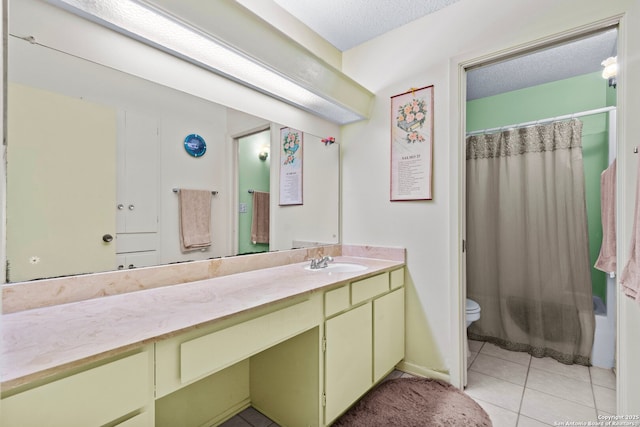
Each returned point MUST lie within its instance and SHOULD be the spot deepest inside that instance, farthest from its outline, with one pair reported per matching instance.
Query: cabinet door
(138, 161)
(388, 332)
(348, 359)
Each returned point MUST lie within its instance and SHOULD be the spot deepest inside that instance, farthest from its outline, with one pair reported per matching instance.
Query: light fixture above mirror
(152, 26)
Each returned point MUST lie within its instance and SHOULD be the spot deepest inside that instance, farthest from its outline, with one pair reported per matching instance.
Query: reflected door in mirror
(61, 184)
(137, 192)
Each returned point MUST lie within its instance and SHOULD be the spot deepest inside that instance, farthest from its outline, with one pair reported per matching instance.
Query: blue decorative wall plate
(195, 145)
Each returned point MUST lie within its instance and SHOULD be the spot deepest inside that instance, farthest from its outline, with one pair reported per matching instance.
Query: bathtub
(604, 342)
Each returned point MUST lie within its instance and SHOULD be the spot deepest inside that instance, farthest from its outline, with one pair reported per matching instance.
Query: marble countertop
(42, 342)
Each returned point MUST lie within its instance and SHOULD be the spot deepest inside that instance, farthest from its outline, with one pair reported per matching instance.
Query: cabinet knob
(120, 267)
(131, 207)
(107, 238)
(131, 266)
(120, 206)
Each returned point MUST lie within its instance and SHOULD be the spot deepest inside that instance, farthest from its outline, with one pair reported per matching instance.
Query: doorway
(481, 114)
(253, 176)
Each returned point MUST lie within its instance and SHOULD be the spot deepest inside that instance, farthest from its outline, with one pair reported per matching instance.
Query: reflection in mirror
(94, 155)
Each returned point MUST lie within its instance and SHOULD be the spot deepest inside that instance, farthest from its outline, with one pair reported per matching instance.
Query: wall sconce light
(610, 71)
(262, 155)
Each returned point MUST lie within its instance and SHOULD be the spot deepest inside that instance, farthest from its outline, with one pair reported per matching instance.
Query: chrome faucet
(321, 262)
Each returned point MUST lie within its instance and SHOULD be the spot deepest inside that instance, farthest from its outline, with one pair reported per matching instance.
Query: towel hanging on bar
(260, 218)
(195, 219)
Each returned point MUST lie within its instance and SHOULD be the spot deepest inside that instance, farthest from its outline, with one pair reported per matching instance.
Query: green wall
(253, 173)
(558, 98)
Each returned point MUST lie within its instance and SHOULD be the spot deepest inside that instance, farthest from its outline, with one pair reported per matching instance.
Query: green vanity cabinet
(388, 333)
(348, 359)
(302, 361)
(364, 338)
(116, 393)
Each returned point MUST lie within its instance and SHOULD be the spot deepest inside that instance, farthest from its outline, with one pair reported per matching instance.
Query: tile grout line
(524, 389)
(593, 394)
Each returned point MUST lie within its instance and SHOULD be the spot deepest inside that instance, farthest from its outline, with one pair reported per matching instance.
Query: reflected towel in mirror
(195, 219)
(260, 218)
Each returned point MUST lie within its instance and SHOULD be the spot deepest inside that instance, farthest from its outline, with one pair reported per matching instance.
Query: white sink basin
(340, 267)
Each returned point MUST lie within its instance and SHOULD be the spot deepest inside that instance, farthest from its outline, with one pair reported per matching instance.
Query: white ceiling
(348, 23)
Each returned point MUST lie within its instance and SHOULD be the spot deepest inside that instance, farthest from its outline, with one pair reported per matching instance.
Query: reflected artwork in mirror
(62, 199)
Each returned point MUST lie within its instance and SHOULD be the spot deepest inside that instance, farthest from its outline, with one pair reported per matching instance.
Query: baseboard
(229, 413)
(421, 371)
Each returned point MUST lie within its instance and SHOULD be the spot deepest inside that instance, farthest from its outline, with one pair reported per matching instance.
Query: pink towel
(630, 279)
(607, 259)
(195, 219)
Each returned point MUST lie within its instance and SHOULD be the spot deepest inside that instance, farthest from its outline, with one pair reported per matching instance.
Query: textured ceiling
(348, 23)
(560, 62)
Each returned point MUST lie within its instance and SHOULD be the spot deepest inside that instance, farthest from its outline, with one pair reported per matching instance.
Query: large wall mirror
(95, 153)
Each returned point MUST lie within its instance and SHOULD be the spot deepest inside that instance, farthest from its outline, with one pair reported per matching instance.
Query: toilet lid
(472, 306)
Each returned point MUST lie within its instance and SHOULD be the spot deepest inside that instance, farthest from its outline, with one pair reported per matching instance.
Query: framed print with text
(412, 145)
(290, 166)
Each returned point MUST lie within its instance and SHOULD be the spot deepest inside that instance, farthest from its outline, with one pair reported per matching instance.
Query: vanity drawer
(210, 353)
(90, 398)
(336, 301)
(365, 289)
(397, 278)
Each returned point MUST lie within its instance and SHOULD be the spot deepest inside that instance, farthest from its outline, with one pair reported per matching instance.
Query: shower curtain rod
(541, 121)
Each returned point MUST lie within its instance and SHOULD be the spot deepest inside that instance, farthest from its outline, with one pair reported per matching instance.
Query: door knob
(107, 238)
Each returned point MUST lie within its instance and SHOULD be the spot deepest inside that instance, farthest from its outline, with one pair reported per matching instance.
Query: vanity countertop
(42, 342)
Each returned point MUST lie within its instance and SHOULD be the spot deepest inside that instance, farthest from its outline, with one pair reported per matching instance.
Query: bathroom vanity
(299, 345)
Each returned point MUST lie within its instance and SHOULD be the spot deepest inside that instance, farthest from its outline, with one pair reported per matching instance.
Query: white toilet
(472, 311)
(472, 314)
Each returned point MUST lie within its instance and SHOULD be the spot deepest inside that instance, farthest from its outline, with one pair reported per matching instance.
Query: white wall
(317, 219)
(429, 51)
(209, 172)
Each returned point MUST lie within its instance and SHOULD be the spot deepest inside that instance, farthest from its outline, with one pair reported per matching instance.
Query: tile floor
(249, 418)
(517, 390)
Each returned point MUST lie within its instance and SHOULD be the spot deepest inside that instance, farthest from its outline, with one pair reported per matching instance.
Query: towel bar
(177, 190)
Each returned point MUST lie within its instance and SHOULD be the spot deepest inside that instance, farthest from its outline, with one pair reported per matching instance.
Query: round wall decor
(195, 145)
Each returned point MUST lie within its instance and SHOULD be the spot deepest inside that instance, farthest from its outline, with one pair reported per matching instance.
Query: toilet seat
(472, 311)
(472, 306)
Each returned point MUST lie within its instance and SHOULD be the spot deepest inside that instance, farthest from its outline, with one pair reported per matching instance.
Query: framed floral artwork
(412, 145)
(290, 166)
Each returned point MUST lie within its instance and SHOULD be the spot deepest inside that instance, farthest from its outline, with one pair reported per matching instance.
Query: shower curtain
(528, 255)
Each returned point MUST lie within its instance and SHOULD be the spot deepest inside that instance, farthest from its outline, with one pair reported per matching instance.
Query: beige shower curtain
(528, 254)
